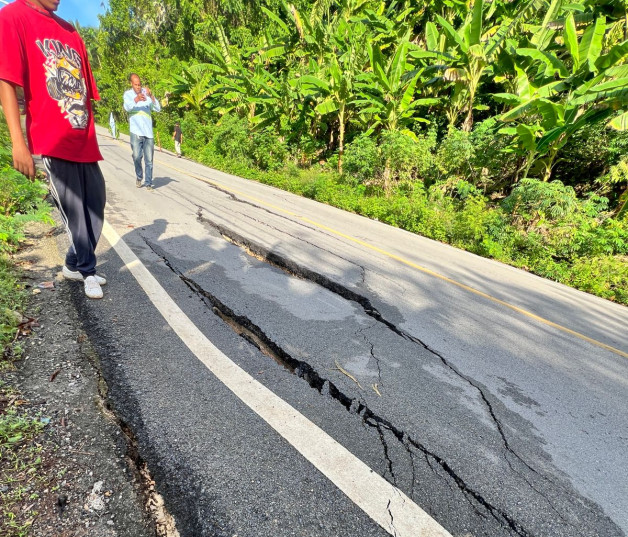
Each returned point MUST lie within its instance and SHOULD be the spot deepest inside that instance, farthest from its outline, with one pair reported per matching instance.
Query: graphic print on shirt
(65, 80)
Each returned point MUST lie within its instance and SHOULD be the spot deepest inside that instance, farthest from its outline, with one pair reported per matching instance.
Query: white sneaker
(77, 276)
(92, 287)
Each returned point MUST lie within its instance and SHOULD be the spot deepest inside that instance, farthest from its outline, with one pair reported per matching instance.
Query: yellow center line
(406, 262)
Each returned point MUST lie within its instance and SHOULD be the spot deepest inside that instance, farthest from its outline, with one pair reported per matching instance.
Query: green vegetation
(21, 201)
(20, 469)
(498, 127)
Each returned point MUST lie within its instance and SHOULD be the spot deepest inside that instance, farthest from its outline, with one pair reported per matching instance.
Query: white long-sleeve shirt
(140, 119)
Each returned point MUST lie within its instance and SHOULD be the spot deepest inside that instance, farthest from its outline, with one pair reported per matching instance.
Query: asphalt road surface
(292, 369)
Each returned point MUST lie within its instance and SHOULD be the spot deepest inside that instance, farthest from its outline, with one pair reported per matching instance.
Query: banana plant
(387, 93)
(283, 104)
(334, 84)
(466, 54)
(235, 75)
(561, 90)
(193, 87)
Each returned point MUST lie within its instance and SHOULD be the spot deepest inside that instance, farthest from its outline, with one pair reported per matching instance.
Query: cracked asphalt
(492, 422)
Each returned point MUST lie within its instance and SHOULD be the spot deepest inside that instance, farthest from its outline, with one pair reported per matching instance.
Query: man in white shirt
(139, 103)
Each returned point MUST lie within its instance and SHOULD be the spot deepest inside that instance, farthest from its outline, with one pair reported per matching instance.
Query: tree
(562, 89)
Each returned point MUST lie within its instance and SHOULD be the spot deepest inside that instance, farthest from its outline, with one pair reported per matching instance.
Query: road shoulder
(85, 479)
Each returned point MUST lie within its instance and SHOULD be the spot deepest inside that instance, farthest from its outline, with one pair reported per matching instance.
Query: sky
(84, 11)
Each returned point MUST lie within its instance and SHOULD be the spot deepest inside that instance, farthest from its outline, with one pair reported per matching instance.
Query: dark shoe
(138, 183)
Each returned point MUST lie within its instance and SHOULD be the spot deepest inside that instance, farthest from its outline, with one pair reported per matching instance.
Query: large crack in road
(256, 336)
(294, 269)
(299, 271)
(251, 332)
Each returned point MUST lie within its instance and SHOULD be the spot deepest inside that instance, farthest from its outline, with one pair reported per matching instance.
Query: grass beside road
(21, 201)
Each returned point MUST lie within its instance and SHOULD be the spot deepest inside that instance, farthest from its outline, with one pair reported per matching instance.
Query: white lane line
(380, 500)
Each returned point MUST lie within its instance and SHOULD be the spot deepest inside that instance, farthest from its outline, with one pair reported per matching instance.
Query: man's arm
(22, 158)
(155, 104)
(131, 99)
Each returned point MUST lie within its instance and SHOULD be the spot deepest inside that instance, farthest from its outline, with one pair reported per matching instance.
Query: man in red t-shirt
(45, 55)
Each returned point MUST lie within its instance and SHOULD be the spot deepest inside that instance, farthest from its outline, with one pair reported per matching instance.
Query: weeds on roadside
(15, 429)
(20, 470)
(12, 300)
(21, 201)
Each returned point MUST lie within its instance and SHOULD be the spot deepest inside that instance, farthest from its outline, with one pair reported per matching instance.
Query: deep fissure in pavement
(244, 327)
(294, 269)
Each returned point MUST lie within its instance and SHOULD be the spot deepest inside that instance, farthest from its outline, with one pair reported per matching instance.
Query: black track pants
(78, 189)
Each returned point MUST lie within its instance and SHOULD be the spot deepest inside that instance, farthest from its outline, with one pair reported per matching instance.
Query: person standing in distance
(140, 103)
(46, 57)
(177, 136)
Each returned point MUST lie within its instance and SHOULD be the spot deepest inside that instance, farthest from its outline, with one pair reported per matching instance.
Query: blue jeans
(143, 146)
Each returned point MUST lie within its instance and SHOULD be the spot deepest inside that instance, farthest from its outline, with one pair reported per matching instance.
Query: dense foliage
(21, 200)
(496, 126)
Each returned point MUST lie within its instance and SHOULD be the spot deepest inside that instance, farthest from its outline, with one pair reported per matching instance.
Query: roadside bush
(437, 221)
(362, 159)
(21, 200)
(564, 227)
(303, 147)
(404, 158)
(455, 154)
(533, 201)
(398, 155)
(17, 193)
(406, 208)
(481, 229)
(589, 153)
(232, 140)
(603, 276)
(196, 133)
(10, 234)
(208, 156)
(590, 239)
(494, 165)
(618, 174)
(615, 182)
(12, 298)
(618, 146)
(269, 152)
(408, 158)
(11, 227)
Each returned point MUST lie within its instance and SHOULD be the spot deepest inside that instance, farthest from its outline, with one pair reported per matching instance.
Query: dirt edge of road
(90, 479)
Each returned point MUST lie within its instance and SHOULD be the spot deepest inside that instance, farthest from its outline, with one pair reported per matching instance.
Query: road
(291, 369)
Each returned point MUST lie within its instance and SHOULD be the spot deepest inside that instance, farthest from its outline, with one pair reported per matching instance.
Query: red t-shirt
(46, 56)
